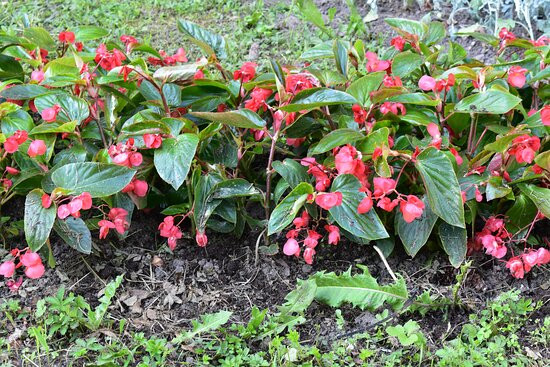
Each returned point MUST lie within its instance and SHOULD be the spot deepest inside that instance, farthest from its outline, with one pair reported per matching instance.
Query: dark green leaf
(490, 101)
(291, 171)
(286, 211)
(38, 220)
(72, 108)
(24, 91)
(415, 234)
(210, 43)
(244, 118)
(363, 87)
(453, 240)
(335, 139)
(539, 195)
(405, 63)
(317, 97)
(75, 233)
(173, 159)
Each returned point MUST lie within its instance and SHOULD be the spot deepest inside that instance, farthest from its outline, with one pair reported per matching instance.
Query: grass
(64, 329)
(252, 29)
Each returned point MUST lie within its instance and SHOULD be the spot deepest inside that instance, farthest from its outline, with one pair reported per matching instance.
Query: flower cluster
(116, 220)
(126, 154)
(166, 60)
(77, 203)
(310, 237)
(26, 258)
(108, 60)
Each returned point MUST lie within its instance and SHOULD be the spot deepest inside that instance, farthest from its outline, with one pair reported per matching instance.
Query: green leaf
(367, 226)
(180, 73)
(210, 43)
(291, 171)
(317, 97)
(54, 127)
(363, 87)
(414, 235)
(174, 158)
(496, 188)
(38, 221)
(441, 185)
(539, 195)
(501, 144)
(360, 290)
(75, 233)
(408, 26)
(311, 13)
(140, 128)
(236, 187)
(244, 118)
(18, 120)
(89, 33)
(421, 99)
(322, 50)
(209, 322)
(453, 240)
(40, 37)
(286, 211)
(24, 91)
(436, 33)
(99, 179)
(72, 108)
(490, 101)
(340, 50)
(521, 213)
(405, 63)
(10, 68)
(374, 140)
(335, 139)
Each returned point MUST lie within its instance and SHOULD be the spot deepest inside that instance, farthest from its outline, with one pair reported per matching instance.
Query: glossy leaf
(244, 118)
(404, 63)
(285, 212)
(335, 139)
(210, 43)
(38, 221)
(441, 185)
(75, 233)
(72, 108)
(454, 242)
(291, 171)
(363, 87)
(173, 159)
(489, 101)
(414, 235)
(317, 97)
(24, 91)
(539, 195)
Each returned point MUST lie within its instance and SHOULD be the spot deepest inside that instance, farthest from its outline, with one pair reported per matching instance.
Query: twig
(256, 250)
(385, 262)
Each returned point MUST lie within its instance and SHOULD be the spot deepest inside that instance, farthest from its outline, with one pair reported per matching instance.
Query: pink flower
(412, 208)
(37, 76)
(258, 98)
(152, 141)
(7, 269)
(86, 200)
(478, 195)
(333, 234)
(295, 83)
(63, 211)
(37, 147)
(201, 239)
(46, 201)
(545, 115)
(457, 156)
(125, 154)
(393, 107)
(493, 246)
(199, 74)
(308, 255)
(359, 114)
(246, 73)
(392, 81)
(426, 83)
(12, 171)
(375, 64)
(312, 239)
(118, 217)
(14, 285)
(180, 55)
(433, 130)
(494, 224)
(387, 204)
(506, 35)
(345, 160)
(104, 227)
(383, 186)
(516, 76)
(516, 267)
(543, 256)
(301, 221)
(365, 205)
(524, 148)
(33, 263)
(291, 247)
(529, 259)
(398, 42)
(66, 37)
(329, 200)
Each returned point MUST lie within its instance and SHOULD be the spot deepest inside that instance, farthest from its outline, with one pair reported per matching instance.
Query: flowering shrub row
(411, 142)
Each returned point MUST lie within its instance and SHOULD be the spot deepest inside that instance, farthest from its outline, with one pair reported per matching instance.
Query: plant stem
(268, 175)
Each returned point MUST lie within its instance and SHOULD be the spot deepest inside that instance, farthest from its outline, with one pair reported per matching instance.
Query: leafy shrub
(416, 140)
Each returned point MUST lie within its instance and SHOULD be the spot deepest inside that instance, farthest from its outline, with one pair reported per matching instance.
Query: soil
(163, 291)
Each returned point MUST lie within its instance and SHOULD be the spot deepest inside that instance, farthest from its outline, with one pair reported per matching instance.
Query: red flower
(104, 226)
(308, 255)
(398, 42)
(359, 114)
(118, 217)
(541, 41)
(66, 37)
(516, 76)
(493, 246)
(108, 60)
(12, 171)
(392, 81)
(457, 156)
(545, 115)
(125, 154)
(201, 239)
(50, 114)
(291, 247)
(301, 221)
(199, 74)
(7, 269)
(543, 256)
(412, 208)
(333, 234)
(433, 130)
(346, 160)
(329, 200)
(374, 64)
(506, 35)
(246, 73)
(295, 83)
(312, 239)
(387, 204)
(524, 148)
(393, 107)
(152, 141)
(129, 41)
(516, 267)
(37, 147)
(137, 187)
(383, 186)
(258, 98)
(33, 263)
(365, 205)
